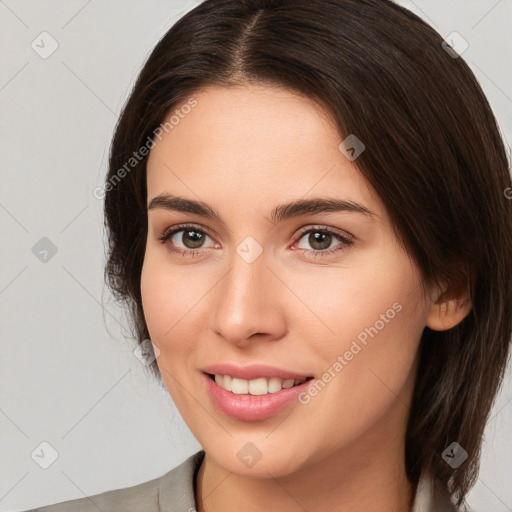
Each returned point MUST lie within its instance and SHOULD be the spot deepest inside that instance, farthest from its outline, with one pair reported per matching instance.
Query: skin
(243, 151)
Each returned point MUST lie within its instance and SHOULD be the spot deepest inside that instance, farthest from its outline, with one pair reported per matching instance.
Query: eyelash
(170, 232)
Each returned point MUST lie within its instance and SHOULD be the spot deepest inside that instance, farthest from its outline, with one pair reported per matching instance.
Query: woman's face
(273, 293)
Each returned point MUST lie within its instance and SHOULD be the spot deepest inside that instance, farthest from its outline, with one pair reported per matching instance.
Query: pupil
(321, 239)
(195, 243)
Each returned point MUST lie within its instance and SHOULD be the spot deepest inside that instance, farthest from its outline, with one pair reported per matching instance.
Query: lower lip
(252, 407)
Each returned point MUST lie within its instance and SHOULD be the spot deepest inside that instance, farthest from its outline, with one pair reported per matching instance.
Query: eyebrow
(279, 213)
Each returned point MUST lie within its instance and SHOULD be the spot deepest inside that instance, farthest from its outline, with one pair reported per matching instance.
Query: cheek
(366, 309)
(169, 294)
(364, 302)
(378, 320)
(168, 300)
(372, 318)
(174, 299)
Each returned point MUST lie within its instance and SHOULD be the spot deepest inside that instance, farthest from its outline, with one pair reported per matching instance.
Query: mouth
(257, 399)
(256, 387)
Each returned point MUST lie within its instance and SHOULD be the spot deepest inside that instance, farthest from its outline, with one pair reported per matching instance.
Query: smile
(260, 386)
(256, 399)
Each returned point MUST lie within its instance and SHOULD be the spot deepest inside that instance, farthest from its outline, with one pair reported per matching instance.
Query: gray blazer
(174, 492)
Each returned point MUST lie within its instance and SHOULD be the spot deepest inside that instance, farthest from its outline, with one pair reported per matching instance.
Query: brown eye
(184, 240)
(319, 241)
(192, 239)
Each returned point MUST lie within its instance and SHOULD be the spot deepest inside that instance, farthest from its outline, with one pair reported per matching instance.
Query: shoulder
(173, 490)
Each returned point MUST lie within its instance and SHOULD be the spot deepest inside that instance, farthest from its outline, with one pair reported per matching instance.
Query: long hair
(434, 156)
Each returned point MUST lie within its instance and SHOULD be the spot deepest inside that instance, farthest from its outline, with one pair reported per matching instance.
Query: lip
(252, 407)
(252, 371)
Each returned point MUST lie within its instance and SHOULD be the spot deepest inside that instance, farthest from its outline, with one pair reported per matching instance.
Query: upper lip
(252, 371)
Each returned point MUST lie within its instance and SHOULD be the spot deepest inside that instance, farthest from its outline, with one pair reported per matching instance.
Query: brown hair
(433, 155)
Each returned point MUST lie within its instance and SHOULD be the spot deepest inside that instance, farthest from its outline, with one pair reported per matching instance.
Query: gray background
(68, 377)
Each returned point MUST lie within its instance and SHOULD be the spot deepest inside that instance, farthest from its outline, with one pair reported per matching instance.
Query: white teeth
(260, 386)
(239, 386)
(288, 383)
(275, 385)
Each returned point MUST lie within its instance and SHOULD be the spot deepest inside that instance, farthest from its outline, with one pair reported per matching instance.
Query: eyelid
(348, 237)
(181, 227)
(320, 227)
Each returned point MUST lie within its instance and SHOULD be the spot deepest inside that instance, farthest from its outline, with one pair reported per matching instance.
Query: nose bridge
(247, 301)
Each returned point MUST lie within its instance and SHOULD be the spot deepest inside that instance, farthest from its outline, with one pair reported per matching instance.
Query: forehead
(253, 142)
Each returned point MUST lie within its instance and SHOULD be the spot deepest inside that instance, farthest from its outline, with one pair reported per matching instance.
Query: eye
(321, 239)
(191, 238)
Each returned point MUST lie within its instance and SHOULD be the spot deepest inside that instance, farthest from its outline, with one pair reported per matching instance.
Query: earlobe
(449, 309)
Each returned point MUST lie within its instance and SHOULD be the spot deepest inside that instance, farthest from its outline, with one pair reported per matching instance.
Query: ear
(449, 307)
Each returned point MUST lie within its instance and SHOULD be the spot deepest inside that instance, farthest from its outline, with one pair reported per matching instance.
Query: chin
(257, 458)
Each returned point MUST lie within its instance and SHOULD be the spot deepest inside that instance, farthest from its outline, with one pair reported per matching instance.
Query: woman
(306, 215)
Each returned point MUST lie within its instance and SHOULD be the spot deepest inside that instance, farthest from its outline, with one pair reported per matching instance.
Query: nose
(249, 304)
